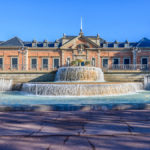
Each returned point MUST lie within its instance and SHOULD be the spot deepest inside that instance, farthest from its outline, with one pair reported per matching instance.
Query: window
(93, 62)
(116, 62)
(126, 62)
(33, 63)
(68, 61)
(56, 44)
(144, 63)
(115, 45)
(45, 63)
(105, 62)
(126, 45)
(56, 63)
(45, 44)
(34, 44)
(104, 45)
(1, 63)
(14, 63)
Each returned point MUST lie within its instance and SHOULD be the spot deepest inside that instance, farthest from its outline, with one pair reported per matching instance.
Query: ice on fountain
(5, 85)
(82, 89)
(79, 74)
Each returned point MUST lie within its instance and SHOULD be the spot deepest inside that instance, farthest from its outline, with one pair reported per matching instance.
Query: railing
(20, 67)
(45, 67)
(128, 67)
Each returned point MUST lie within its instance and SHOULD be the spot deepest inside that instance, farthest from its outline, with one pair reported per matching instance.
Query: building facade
(18, 55)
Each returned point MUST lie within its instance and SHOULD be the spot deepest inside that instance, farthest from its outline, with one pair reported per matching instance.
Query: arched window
(93, 61)
(68, 61)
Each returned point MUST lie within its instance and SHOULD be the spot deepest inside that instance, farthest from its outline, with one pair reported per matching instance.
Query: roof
(39, 44)
(145, 42)
(17, 42)
(12, 42)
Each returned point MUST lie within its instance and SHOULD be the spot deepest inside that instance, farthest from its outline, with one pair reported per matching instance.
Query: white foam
(82, 89)
(5, 85)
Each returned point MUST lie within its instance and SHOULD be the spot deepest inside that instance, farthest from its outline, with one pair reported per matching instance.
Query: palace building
(18, 55)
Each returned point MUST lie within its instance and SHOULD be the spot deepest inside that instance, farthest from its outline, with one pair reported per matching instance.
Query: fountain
(80, 74)
(81, 81)
(5, 85)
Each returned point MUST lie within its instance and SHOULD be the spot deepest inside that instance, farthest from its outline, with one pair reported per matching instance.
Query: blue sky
(49, 19)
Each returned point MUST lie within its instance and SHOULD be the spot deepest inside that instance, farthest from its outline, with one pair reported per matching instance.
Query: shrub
(74, 63)
(80, 60)
(87, 63)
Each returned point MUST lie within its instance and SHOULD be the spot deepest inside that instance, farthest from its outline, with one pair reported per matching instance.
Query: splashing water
(82, 89)
(70, 86)
(79, 74)
(5, 85)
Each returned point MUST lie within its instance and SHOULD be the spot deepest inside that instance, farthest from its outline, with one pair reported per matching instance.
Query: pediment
(79, 41)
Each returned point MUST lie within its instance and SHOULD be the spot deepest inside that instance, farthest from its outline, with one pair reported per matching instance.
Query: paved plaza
(75, 130)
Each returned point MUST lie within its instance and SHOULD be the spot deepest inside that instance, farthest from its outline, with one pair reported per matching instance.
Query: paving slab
(113, 128)
(82, 130)
(121, 142)
(139, 127)
(76, 143)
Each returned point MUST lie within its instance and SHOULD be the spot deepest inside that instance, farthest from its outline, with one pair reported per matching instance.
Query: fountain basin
(79, 74)
(82, 89)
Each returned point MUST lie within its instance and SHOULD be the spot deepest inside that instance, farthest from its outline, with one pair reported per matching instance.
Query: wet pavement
(75, 130)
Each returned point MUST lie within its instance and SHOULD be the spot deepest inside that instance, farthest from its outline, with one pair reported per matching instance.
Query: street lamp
(22, 51)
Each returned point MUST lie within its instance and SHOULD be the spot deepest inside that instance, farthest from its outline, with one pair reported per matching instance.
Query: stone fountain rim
(84, 83)
(79, 67)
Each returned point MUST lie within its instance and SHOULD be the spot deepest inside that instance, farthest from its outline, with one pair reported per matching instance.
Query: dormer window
(56, 44)
(34, 43)
(115, 44)
(105, 44)
(45, 43)
(126, 45)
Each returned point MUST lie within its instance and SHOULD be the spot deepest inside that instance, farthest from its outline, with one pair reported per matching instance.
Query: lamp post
(22, 51)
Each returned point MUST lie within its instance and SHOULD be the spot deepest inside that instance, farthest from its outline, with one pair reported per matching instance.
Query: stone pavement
(75, 130)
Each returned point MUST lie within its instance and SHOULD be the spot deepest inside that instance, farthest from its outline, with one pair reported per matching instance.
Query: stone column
(98, 63)
(73, 58)
(62, 58)
(26, 60)
(87, 54)
(134, 52)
